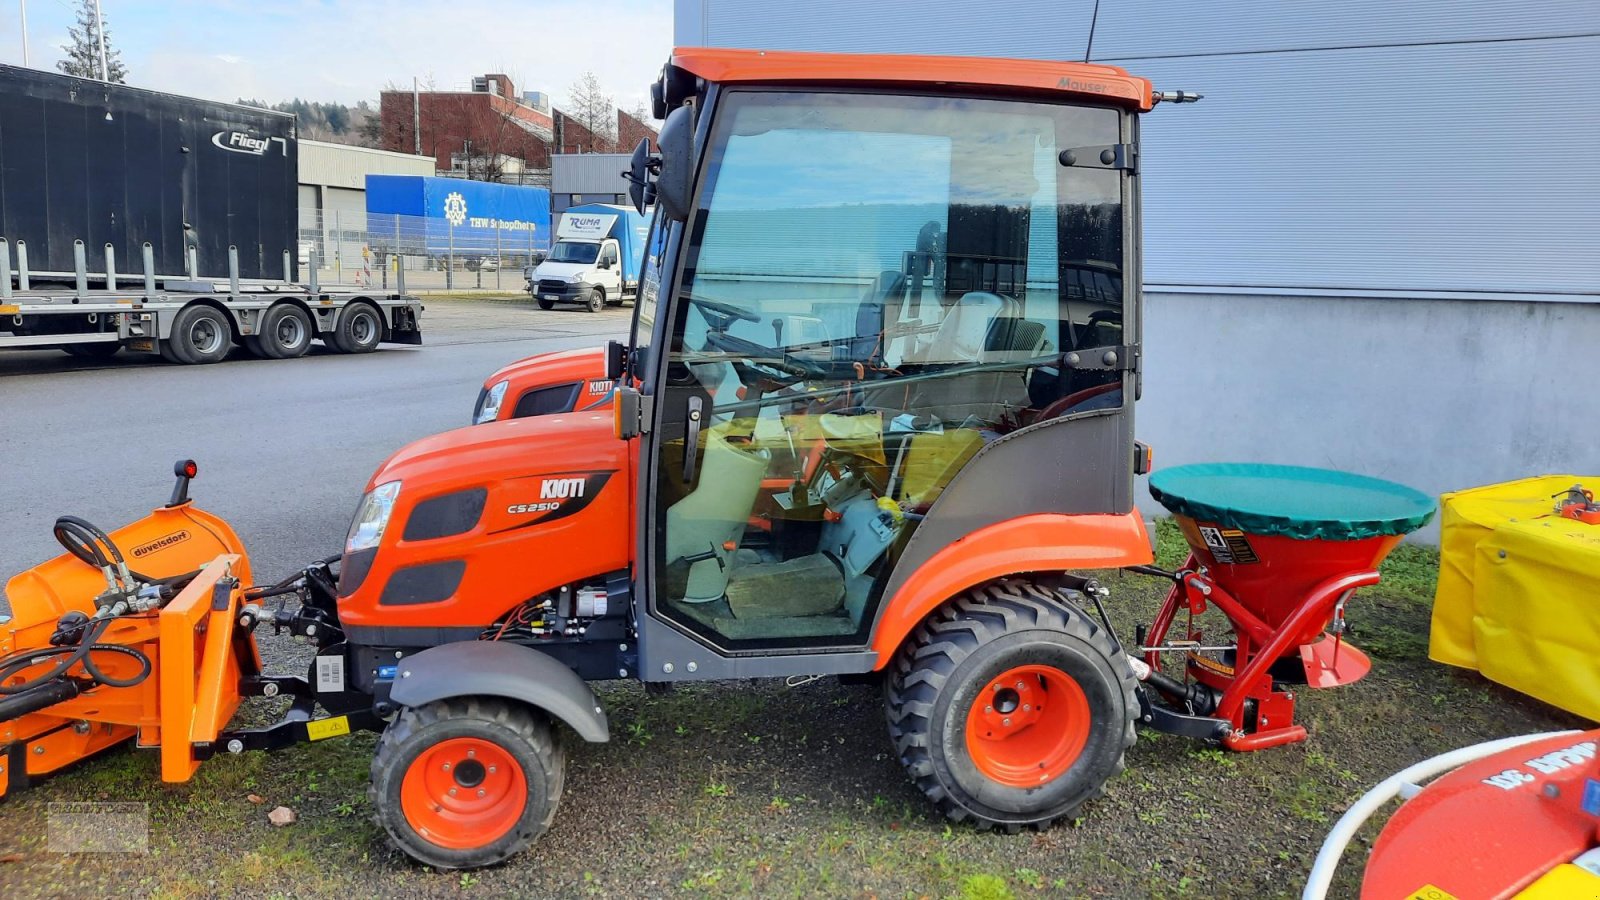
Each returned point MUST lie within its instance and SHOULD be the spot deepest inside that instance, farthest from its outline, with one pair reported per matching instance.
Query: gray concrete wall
(1439, 396)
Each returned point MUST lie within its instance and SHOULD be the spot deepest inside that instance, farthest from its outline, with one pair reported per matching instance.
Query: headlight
(372, 517)
(489, 403)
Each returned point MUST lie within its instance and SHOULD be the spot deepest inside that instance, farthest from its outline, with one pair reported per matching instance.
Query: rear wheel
(596, 300)
(466, 782)
(200, 334)
(285, 333)
(360, 329)
(1011, 707)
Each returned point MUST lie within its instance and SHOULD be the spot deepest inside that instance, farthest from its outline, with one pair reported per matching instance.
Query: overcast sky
(348, 50)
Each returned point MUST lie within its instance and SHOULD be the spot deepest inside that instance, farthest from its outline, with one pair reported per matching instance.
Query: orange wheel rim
(463, 793)
(1027, 726)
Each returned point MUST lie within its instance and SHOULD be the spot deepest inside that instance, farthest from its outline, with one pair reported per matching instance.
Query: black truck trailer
(136, 219)
(112, 164)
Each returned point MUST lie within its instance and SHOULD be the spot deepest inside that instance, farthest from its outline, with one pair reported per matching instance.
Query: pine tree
(83, 49)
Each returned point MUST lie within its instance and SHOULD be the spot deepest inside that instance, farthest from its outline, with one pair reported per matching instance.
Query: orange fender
(1046, 542)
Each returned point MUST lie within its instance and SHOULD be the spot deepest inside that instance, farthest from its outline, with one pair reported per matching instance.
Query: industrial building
(491, 133)
(1374, 245)
(579, 178)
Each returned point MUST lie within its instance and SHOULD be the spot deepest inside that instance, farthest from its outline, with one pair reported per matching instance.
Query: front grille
(546, 286)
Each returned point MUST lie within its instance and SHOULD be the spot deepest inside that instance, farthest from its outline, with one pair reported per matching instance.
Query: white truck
(595, 261)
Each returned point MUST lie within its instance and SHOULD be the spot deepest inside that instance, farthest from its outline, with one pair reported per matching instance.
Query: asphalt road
(285, 447)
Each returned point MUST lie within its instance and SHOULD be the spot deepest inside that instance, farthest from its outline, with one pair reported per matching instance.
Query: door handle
(691, 440)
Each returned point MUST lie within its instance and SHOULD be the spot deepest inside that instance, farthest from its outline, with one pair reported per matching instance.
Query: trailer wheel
(1011, 707)
(596, 300)
(466, 782)
(285, 333)
(93, 351)
(546, 304)
(360, 329)
(201, 334)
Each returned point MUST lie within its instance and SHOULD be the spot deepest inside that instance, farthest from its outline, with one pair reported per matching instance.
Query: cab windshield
(875, 287)
(571, 252)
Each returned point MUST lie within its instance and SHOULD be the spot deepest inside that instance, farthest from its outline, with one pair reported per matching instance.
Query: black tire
(169, 352)
(595, 300)
(285, 333)
(546, 304)
(93, 351)
(951, 660)
(360, 328)
(201, 335)
(514, 731)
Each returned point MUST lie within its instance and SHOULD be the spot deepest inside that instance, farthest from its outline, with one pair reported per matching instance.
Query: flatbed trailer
(197, 321)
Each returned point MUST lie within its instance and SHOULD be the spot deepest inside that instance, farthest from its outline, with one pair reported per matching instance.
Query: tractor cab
(866, 283)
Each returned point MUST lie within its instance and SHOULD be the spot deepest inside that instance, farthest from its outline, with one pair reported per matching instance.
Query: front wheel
(466, 782)
(596, 300)
(546, 304)
(1011, 707)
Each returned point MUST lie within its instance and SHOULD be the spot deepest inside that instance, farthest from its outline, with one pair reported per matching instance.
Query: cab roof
(1033, 76)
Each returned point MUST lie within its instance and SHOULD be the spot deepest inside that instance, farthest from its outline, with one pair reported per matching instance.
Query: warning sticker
(1228, 545)
(322, 729)
(1429, 892)
(330, 674)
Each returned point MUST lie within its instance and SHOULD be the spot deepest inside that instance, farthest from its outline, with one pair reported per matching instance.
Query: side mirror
(674, 185)
(603, 264)
(640, 167)
(616, 353)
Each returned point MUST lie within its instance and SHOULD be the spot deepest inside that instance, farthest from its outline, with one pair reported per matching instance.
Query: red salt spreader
(1278, 550)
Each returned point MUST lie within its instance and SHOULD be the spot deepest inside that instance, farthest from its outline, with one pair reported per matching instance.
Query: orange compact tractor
(875, 419)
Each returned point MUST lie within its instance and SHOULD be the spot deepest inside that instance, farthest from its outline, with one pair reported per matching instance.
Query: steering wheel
(770, 362)
(720, 315)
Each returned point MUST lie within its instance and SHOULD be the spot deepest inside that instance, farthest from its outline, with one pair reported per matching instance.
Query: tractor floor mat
(718, 618)
(801, 587)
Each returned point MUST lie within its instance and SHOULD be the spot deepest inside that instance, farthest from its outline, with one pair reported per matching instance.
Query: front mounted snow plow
(152, 643)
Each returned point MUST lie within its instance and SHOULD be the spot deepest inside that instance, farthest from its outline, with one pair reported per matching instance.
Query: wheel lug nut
(1026, 707)
(1019, 685)
(472, 753)
(1007, 721)
(988, 709)
(447, 767)
(452, 792)
(480, 792)
(491, 770)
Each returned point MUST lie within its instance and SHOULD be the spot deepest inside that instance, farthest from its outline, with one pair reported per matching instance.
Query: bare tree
(592, 107)
(83, 48)
(641, 112)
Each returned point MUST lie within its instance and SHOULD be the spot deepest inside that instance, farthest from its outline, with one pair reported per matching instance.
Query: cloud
(349, 50)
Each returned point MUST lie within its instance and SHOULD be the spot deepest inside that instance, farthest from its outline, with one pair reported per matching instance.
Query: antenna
(1093, 21)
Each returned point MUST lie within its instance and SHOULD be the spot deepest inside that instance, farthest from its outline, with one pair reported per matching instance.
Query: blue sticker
(1591, 797)
(387, 673)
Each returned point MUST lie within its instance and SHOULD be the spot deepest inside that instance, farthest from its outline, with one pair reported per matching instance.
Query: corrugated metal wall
(1354, 147)
(588, 173)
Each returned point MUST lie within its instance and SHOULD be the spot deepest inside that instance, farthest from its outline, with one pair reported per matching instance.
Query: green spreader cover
(1294, 501)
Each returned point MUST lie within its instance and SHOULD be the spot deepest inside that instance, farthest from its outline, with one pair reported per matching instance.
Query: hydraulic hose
(1333, 847)
(81, 652)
